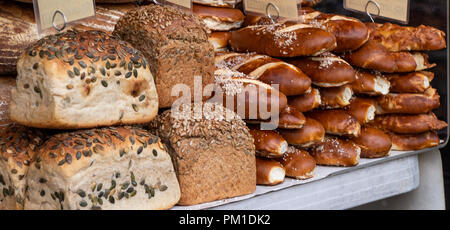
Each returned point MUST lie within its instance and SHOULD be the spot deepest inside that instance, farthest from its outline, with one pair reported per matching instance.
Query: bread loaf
(409, 124)
(290, 79)
(405, 38)
(411, 142)
(269, 172)
(374, 143)
(6, 84)
(373, 55)
(82, 80)
(218, 3)
(283, 40)
(219, 19)
(337, 122)
(369, 83)
(268, 143)
(337, 97)
(310, 134)
(334, 151)
(20, 29)
(213, 152)
(415, 82)
(289, 118)
(219, 40)
(18, 147)
(363, 109)
(175, 45)
(108, 168)
(326, 70)
(307, 101)
(408, 103)
(298, 163)
(251, 99)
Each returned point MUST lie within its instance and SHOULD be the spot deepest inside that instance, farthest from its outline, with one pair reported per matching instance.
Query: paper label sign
(397, 10)
(286, 8)
(54, 12)
(183, 3)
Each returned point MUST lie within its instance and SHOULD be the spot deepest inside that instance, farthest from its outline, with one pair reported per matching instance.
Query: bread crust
(374, 143)
(289, 118)
(411, 142)
(6, 84)
(219, 19)
(336, 97)
(415, 82)
(372, 84)
(219, 40)
(363, 109)
(218, 3)
(306, 102)
(268, 143)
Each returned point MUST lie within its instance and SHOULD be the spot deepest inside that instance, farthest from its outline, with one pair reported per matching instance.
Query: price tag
(183, 3)
(57, 13)
(276, 8)
(397, 10)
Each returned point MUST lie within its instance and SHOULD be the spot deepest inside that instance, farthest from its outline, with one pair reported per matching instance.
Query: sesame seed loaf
(175, 44)
(82, 80)
(213, 154)
(108, 168)
(6, 84)
(19, 30)
(18, 147)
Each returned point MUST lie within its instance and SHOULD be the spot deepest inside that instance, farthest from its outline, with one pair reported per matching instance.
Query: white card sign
(397, 10)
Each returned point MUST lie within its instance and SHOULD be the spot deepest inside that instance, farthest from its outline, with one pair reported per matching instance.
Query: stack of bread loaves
(406, 111)
(75, 80)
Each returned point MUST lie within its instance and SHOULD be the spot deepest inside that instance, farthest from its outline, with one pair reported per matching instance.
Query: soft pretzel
(408, 103)
(370, 83)
(404, 38)
(373, 142)
(410, 142)
(363, 109)
(268, 143)
(219, 40)
(337, 97)
(307, 101)
(289, 118)
(326, 70)
(251, 99)
(290, 79)
(288, 39)
(298, 163)
(311, 133)
(334, 151)
(219, 19)
(409, 124)
(269, 172)
(337, 122)
(415, 82)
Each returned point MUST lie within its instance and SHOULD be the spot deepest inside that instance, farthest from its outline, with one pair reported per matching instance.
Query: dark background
(431, 13)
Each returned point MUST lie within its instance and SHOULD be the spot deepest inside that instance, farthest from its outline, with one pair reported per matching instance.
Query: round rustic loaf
(82, 80)
(212, 151)
(109, 168)
(18, 147)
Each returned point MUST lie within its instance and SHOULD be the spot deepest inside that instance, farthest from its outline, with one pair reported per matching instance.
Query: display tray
(321, 172)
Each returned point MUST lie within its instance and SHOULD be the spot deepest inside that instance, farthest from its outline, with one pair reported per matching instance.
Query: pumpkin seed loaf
(175, 44)
(108, 168)
(213, 152)
(18, 147)
(78, 80)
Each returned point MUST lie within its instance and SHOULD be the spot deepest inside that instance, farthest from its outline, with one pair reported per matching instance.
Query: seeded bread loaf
(82, 80)
(20, 30)
(109, 168)
(6, 84)
(213, 152)
(18, 146)
(175, 44)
